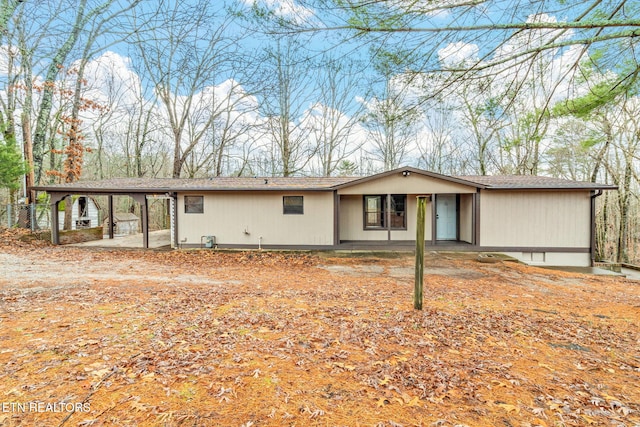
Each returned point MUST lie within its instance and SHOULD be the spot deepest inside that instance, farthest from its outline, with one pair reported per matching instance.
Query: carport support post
(54, 200)
(144, 213)
(417, 292)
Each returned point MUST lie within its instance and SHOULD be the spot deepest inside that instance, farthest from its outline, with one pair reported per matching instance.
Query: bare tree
(85, 12)
(12, 167)
(570, 154)
(226, 107)
(185, 48)
(391, 117)
(622, 171)
(19, 89)
(482, 119)
(334, 118)
(428, 27)
(47, 34)
(390, 128)
(435, 145)
(8, 102)
(126, 132)
(285, 95)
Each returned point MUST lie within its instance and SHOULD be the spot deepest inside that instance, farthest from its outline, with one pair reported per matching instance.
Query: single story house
(541, 220)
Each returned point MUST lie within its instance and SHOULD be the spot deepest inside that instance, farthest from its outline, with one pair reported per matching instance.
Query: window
(398, 218)
(193, 204)
(293, 205)
(375, 212)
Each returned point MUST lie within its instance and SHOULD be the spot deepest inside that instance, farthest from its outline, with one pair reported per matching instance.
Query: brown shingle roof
(162, 185)
(530, 182)
(166, 185)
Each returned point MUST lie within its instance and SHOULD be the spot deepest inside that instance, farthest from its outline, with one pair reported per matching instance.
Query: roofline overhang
(106, 191)
(98, 191)
(326, 189)
(407, 170)
(410, 170)
(577, 188)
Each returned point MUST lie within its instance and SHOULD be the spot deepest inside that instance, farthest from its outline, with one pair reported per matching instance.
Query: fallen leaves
(12, 238)
(269, 339)
(509, 408)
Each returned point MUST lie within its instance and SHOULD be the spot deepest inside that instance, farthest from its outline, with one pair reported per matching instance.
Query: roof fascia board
(412, 170)
(256, 189)
(124, 190)
(100, 191)
(602, 187)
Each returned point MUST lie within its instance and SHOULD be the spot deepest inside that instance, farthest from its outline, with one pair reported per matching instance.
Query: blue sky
(432, 50)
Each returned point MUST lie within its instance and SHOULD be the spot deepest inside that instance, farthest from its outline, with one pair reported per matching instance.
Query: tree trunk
(28, 156)
(68, 209)
(601, 229)
(46, 104)
(7, 9)
(177, 160)
(623, 194)
(600, 156)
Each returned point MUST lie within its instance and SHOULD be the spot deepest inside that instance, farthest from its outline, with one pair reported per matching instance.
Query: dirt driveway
(207, 338)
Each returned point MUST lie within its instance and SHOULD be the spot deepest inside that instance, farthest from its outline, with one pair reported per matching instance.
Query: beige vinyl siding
(351, 221)
(535, 218)
(466, 218)
(412, 184)
(241, 218)
(410, 232)
(352, 217)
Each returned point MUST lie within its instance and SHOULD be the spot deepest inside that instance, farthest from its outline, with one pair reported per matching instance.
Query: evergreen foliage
(12, 167)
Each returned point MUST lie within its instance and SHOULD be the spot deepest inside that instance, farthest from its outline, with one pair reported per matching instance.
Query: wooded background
(95, 89)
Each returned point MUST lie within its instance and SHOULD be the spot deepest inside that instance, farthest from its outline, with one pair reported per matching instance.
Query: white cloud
(111, 81)
(533, 38)
(459, 53)
(285, 9)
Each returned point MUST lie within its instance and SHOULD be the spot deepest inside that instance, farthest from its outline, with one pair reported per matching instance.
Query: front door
(446, 217)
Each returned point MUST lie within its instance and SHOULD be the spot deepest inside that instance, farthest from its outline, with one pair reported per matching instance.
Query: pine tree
(12, 167)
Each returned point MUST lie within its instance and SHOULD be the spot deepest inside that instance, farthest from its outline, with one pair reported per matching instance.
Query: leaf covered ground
(205, 338)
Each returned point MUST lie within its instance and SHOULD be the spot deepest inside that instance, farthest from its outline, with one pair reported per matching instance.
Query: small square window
(193, 204)
(292, 205)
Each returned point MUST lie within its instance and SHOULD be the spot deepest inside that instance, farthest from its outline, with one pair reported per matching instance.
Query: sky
(115, 77)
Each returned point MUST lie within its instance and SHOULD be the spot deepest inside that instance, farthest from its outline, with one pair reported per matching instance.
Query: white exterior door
(446, 217)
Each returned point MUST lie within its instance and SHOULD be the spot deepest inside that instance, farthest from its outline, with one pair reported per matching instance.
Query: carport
(139, 192)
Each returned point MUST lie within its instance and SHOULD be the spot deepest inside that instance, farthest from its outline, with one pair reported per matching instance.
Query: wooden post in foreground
(417, 293)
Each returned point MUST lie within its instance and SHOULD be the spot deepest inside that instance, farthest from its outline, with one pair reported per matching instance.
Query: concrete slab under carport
(157, 239)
